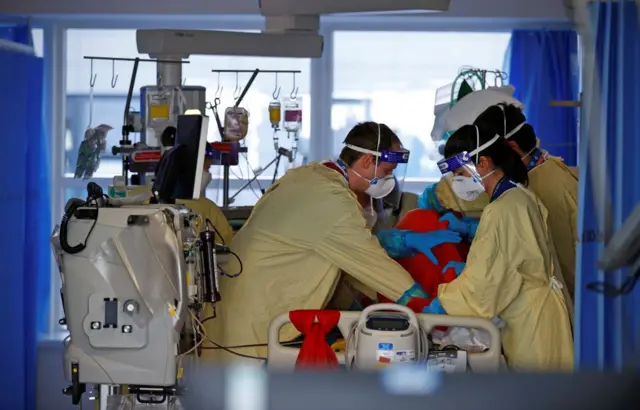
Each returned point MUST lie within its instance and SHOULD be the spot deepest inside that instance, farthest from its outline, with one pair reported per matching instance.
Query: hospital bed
(282, 357)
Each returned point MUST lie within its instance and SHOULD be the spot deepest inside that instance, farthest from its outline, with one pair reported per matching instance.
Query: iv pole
(226, 200)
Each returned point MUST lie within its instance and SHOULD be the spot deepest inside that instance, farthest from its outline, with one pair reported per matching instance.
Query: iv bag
(293, 115)
(236, 123)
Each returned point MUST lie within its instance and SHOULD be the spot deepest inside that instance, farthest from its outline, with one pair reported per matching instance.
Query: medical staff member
(307, 229)
(509, 276)
(549, 178)
(440, 197)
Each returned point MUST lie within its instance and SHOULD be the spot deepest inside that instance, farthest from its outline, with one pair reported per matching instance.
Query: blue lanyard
(343, 167)
(502, 186)
(534, 158)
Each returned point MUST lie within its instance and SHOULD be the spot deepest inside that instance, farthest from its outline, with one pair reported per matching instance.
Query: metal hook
(276, 91)
(92, 77)
(219, 89)
(294, 91)
(237, 90)
(114, 76)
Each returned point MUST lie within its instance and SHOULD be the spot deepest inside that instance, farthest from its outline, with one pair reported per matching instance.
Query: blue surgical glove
(472, 223)
(464, 226)
(426, 241)
(429, 199)
(434, 308)
(457, 266)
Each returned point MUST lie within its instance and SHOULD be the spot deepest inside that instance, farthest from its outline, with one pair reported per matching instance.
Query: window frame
(321, 80)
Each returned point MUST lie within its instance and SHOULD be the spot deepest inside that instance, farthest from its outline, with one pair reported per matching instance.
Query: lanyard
(342, 167)
(501, 187)
(535, 158)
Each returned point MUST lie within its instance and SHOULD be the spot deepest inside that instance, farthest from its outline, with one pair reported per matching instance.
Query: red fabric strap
(314, 326)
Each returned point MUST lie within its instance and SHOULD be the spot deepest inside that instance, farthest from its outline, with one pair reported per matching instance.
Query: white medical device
(385, 334)
(135, 279)
(394, 324)
(124, 292)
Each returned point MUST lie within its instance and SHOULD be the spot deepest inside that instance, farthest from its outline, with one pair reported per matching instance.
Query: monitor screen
(191, 133)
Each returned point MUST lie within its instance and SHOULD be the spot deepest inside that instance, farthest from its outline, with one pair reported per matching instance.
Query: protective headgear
(469, 108)
(206, 180)
(517, 128)
(379, 188)
(392, 200)
(467, 188)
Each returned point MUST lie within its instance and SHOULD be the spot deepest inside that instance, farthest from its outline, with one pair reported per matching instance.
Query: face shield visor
(394, 161)
(466, 180)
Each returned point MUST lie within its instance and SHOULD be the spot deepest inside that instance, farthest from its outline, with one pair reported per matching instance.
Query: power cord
(627, 286)
(94, 193)
(204, 336)
(235, 275)
(614, 291)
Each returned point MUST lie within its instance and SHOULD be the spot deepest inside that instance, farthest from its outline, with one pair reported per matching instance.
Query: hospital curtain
(543, 66)
(607, 334)
(25, 210)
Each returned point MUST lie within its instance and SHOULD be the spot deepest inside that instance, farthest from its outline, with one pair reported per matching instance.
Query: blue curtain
(543, 66)
(25, 207)
(607, 334)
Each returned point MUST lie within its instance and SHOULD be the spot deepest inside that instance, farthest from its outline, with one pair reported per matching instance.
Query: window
(37, 34)
(392, 77)
(108, 102)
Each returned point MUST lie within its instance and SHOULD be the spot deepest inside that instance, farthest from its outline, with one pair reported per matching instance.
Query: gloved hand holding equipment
(465, 226)
(425, 242)
(434, 308)
(458, 267)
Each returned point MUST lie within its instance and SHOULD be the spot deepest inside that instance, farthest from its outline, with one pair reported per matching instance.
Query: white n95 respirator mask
(466, 188)
(381, 187)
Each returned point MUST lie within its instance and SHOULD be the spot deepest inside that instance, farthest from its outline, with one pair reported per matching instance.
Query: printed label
(386, 355)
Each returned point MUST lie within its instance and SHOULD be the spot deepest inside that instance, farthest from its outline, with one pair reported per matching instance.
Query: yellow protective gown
(449, 200)
(557, 187)
(305, 229)
(511, 273)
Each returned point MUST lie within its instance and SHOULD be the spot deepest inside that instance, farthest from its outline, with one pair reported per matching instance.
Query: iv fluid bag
(274, 114)
(293, 115)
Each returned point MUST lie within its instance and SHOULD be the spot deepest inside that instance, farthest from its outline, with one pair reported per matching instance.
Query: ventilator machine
(135, 278)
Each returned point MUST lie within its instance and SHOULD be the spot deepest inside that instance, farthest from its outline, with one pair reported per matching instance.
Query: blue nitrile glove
(464, 226)
(424, 242)
(429, 199)
(434, 308)
(472, 223)
(414, 291)
(457, 266)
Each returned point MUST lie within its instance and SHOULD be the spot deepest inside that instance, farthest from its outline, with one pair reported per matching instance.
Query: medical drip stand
(226, 200)
(125, 147)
